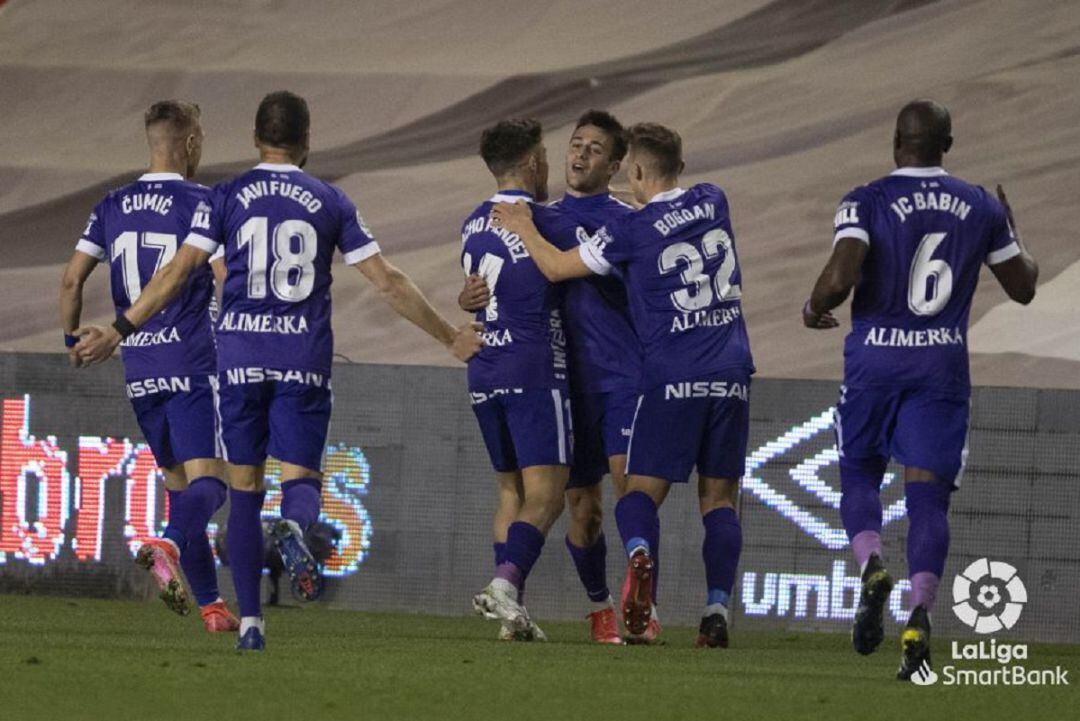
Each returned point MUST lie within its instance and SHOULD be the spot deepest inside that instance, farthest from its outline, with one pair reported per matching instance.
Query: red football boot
(161, 558)
(637, 593)
(604, 627)
(218, 618)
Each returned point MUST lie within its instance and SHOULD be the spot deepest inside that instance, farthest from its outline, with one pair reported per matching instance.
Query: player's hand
(1008, 208)
(475, 295)
(467, 341)
(818, 321)
(96, 344)
(515, 217)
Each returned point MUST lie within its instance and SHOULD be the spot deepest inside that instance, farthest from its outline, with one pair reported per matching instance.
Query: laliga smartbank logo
(988, 597)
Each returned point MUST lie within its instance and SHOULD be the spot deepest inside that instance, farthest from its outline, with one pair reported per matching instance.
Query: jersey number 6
(930, 284)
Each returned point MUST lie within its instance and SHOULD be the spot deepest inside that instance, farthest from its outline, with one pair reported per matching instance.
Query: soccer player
(911, 245)
(170, 365)
(518, 382)
(279, 227)
(605, 366)
(677, 257)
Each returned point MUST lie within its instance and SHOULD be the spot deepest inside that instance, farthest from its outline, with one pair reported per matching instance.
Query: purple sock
(591, 564)
(638, 520)
(172, 531)
(860, 506)
(655, 542)
(928, 538)
(524, 542)
(500, 552)
(246, 549)
(198, 565)
(721, 550)
(191, 513)
(300, 500)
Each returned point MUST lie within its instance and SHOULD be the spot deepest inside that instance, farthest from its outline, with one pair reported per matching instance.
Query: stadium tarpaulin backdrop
(410, 490)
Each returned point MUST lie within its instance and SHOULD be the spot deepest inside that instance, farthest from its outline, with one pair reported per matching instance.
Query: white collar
(667, 195)
(152, 177)
(278, 167)
(508, 198)
(913, 172)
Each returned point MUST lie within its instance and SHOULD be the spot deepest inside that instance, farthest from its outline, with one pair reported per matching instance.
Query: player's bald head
(171, 121)
(923, 131)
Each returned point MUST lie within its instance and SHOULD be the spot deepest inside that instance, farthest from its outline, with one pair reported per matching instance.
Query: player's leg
(930, 441)
(863, 420)
(721, 549)
(584, 501)
(194, 437)
(662, 449)
(161, 556)
(538, 423)
(721, 459)
(299, 424)
(511, 494)
(245, 432)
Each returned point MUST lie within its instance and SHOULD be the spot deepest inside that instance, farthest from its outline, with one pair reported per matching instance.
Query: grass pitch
(87, 659)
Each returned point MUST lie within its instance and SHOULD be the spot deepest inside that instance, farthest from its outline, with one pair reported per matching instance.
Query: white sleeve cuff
(359, 255)
(594, 260)
(92, 249)
(857, 233)
(218, 254)
(202, 243)
(1003, 254)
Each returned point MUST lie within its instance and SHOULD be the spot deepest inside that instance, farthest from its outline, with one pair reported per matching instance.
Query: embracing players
(279, 228)
(677, 258)
(911, 245)
(604, 367)
(170, 364)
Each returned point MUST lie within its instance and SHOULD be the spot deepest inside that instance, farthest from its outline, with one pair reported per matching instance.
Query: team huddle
(609, 338)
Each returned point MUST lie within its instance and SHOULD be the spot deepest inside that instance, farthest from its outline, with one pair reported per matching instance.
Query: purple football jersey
(136, 229)
(678, 260)
(605, 354)
(524, 338)
(279, 227)
(928, 234)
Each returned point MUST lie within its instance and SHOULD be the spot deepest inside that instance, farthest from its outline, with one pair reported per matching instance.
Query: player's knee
(716, 493)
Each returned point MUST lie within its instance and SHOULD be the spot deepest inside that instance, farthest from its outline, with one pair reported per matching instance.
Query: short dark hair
(180, 115)
(662, 143)
(504, 144)
(282, 120)
(606, 122)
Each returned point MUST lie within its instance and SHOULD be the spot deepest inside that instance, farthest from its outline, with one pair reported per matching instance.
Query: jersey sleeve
(355, 240)
(853, 217)
(560, 229)
(206, 232)
(92, 241)
(605, 250)
(1003, 245)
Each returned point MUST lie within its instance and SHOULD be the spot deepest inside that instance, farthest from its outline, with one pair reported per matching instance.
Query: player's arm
(556, 265)
(77, 271)
(475, 295)
(834, 284)
(217, 265)
(401, 294)
(1019, 274)
(98, 344)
